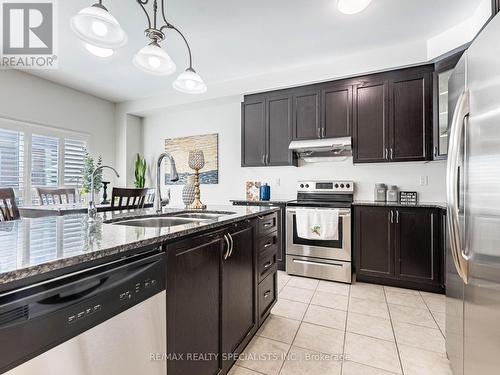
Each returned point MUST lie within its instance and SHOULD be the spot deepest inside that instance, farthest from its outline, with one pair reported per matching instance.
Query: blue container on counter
(265, 192)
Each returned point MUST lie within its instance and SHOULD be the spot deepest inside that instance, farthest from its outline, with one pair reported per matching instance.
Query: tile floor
(326, 328)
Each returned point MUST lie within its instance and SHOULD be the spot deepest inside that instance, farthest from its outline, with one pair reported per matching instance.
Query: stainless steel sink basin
(156, 222)
(202, 215)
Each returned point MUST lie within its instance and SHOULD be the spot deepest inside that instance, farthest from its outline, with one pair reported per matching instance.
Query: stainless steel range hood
(320, 150)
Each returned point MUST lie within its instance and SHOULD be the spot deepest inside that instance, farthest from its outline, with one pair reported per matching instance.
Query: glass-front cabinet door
(443, 71)
(441, 136)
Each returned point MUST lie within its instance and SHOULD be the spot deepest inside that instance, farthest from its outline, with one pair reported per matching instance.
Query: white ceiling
(233, 39)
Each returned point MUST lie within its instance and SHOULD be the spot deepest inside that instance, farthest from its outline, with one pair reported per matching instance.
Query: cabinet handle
(267, 162)
(267, 225)
(318, 132)
(392, 217)
(268, 264)
(392, 154)
(264, 159)
(397, 216)
(232, 245)
(267, 294)
(386, 154)
(228, 247)
(269, 244)
(323, 133)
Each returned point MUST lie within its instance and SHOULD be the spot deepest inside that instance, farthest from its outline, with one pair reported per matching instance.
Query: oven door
(335, 250)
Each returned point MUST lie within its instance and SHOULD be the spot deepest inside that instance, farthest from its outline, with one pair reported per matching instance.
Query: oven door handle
(342, 213)
(317, 263)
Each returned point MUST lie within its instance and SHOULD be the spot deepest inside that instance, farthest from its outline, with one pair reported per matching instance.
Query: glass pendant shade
(155, 60)
(352, 6)
(98, 51)
(190, 82)
(96, 26)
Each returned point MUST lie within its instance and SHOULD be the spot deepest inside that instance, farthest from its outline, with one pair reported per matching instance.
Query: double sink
(171, 219)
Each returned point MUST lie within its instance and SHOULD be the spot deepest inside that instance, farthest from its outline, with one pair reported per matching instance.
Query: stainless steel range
(323, 259)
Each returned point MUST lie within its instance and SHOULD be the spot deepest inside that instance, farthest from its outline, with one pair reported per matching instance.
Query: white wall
(223, 116)
(27, 98)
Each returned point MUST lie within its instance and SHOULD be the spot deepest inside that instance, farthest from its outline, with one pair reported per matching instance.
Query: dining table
(34, 211)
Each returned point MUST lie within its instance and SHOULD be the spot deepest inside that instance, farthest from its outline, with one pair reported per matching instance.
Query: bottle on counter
(380, 192)
(265, 192)
(393, 194)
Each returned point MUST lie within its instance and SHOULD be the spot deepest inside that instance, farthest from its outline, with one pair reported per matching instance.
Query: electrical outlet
(424, 180)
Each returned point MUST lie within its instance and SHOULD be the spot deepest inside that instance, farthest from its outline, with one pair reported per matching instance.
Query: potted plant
(140, 172)
(89, 165)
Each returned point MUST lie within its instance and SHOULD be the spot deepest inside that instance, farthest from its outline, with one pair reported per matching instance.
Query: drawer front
(267, 263)
(319, 268)
(267, 295)
(268, 242)
(268, 223)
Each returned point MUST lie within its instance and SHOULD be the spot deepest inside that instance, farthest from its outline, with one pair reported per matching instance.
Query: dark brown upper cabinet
(253, 133)
(393, 116)
(336, 104)
(411, 117)
(371, 122)
(306, 119)
(266, 130)
(389, 115)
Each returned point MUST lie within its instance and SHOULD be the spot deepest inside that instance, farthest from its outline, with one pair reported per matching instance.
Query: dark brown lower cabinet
(213, 298)
(239, 305)
(193, 305)
(399, 246)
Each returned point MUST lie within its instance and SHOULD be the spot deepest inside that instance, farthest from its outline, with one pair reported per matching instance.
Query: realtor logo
(28, 35)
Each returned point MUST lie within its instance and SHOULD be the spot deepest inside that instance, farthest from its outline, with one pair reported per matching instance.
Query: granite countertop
(33, 247)
(262, 203)
(440, 205)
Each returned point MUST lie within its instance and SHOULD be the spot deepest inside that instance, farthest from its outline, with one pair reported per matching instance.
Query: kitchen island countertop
(40, 248)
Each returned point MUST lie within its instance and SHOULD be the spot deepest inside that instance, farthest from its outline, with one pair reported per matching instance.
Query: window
(44, 161)
(74, 153)
(12, 161)
(34, 156)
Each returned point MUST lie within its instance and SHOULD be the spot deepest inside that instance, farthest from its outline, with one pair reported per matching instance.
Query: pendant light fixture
(102, 34)
(352, 6)
(97, 27)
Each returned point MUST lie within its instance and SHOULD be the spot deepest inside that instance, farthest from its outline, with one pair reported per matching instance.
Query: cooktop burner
(332, 193)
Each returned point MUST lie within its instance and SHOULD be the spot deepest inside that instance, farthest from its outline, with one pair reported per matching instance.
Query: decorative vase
(105, 192)
(188, 192)
(196, 161)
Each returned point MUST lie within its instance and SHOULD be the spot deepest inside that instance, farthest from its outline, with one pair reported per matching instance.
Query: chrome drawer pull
(268, 245)
(267, 294)
(268, 264)
(317, 263)
(267, 224)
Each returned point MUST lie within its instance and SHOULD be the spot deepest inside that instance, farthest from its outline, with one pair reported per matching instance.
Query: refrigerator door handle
(452, 175)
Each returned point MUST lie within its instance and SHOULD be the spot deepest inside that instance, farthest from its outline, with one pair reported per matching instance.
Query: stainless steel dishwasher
(109, 320)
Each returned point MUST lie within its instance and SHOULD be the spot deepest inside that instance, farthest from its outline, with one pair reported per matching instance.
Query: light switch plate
(424, 180)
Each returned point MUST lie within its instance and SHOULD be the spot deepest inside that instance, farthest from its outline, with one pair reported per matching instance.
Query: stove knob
(341, 186)
(302, 186)
(348, 186)
(336, 186)
(307, 186)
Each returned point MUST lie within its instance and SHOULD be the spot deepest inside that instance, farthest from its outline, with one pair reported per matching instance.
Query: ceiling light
(96, 26)
(98, 51)
(190, 82)
(352, 6)
(153, 59)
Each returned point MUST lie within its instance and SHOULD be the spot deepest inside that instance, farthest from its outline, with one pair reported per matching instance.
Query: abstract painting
(179, 148)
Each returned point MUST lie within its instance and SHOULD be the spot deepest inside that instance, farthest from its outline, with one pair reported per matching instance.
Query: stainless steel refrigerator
(473, 214)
